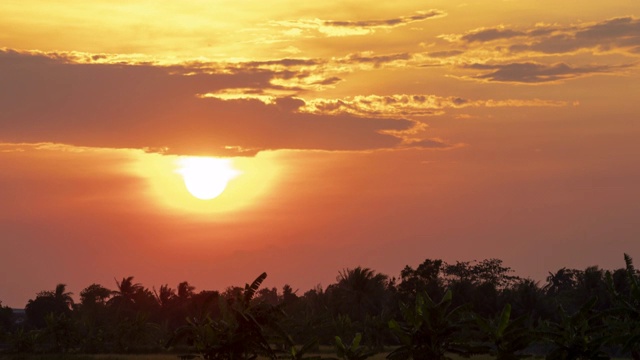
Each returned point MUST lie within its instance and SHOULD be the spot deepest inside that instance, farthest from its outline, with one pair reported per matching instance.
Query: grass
(90, 357)
(326, 354)
(323, 352)
(380, 356)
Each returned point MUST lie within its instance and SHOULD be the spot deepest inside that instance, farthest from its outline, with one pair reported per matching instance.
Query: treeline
(428, 312)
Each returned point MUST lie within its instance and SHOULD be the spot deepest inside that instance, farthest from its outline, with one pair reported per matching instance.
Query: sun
(206, 178)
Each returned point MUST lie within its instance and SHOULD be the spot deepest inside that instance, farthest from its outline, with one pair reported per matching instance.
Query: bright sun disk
(206, 178)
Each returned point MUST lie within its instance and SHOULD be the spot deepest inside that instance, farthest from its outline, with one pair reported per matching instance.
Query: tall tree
(288, 295)
(63, 297)
(165, 296)
(561, 281)
(359, 292)
(6, 319)
(94, 318)
(57, 302)
(185, 290)
(240, 332)
(479, 283)
(126, 289)
(427, 277)
(95, 294)
(591, 283)
(623, 325)
(123, 299)
(562, 289)
(528, 299)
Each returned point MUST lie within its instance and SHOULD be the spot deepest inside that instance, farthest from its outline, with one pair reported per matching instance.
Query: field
(380, 356)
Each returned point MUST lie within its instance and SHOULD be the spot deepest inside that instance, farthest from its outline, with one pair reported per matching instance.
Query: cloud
(445, 53)
(430, 144)
(535, 73)
(613, 28)
(45, 99)
(516, 55)
(298, 74)
(383, 106)
(286, 76)
(385, 23)
(620, 34)
(331, 28)
(277, 64)
(375, 60)
(409, 105)
(490, 34)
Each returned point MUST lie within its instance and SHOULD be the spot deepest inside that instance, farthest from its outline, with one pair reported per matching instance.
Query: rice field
(327, 355)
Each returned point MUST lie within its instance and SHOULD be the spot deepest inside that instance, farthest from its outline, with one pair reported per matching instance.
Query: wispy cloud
(536, 73)
(614, 35)
(620, 35)
(306, 27)
(403, 105)
(543, 53)
(385, 23)
(483, 35)
(444, 53)
(434, 143)
(297, 75)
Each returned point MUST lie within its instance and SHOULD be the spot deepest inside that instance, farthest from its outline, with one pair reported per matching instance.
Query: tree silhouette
(124, 296)
(624, 323)
(133, 318)
(427, 277)
(505, 336)
(165, 296)
(238, 334)
(62, 297)
(563, 280)
(185, 291)
(429, 330)
(6, 320)
(54, 302)
(359, 292)
(127, 289)
(577, 336)
(94, 318)
(95, 294)
(528, 299)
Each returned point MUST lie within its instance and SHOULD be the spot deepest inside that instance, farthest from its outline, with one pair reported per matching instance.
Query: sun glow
(247, 181)
(206, 178)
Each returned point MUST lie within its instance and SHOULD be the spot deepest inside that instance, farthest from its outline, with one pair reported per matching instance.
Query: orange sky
(362, 134)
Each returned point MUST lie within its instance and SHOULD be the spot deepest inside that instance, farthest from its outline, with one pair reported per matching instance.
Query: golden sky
(357, 133)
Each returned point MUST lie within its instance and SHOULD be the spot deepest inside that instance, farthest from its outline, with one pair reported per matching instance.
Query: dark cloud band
(48, 99)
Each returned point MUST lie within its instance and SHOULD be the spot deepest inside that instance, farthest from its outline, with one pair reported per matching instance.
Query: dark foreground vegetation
(430, 312)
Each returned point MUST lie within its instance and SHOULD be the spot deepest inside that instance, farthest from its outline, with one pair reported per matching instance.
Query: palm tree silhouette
(165, 296)
(124, 297)
(563, 279)
(360, 291)
(127, 288)
(185, 291)
(58, 302)
(63, 297)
